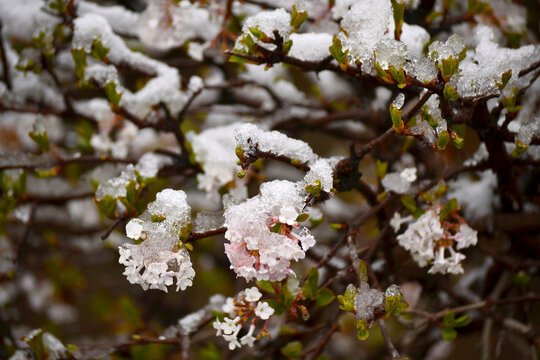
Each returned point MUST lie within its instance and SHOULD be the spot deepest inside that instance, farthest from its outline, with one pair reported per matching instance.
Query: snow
(252, 139)
(310, 46)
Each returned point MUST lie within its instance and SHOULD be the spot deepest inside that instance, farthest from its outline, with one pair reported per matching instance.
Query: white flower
(440, 265)
(409, 174)
(253, 294)
(233, 339)
(229, 326)
(228, 307)
(248, 339)
(466, 237)
(264, 311)
(288, 215)
(397, 221)
(134, 229)
(217, 325)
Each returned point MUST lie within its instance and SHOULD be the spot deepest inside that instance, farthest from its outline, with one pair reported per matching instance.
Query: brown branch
(433, 317)
(531, 68)
(114, 225)
(31, 161)
(387, 340)
(196, 236)
(5, 64)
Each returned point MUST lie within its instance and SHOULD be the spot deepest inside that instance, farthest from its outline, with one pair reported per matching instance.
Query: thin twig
(5, 64)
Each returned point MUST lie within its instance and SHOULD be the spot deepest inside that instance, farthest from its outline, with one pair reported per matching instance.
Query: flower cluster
(428, 239)
(160, 254)
(246, 305)
(264, 233)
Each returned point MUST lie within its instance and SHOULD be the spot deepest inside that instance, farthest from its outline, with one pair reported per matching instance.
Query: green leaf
(314, 189)
(398, 76)
(241, 174)
(41, 139)
(302, 217)
(394, 301)
(298, 18)
(409, 203)
(449, 334)
(311, 284)
(131, 192)
(350, 294)
(363, 333)
(462, 321)
(113, 96)
(505, 77)
(265, 286)
(277, 306)
(292, 350)
(478, 7)
(510, 102)
(79, 58)
(362, 272)
(395, 115)
(58, 6)
(381, 167)
(398, 6)
(336, 50)
(287, 46)
(185, 231)
(448, 320)
(107, 205)
(450, 206)
(286, 331)
(450, 93)
(458, 141)
(324, 297)
(99, 52)
(443, 140)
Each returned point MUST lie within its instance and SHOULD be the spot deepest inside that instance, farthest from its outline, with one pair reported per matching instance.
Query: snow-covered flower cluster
(428, 239)
(245, 306)
(160, 258)
(264, 233)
